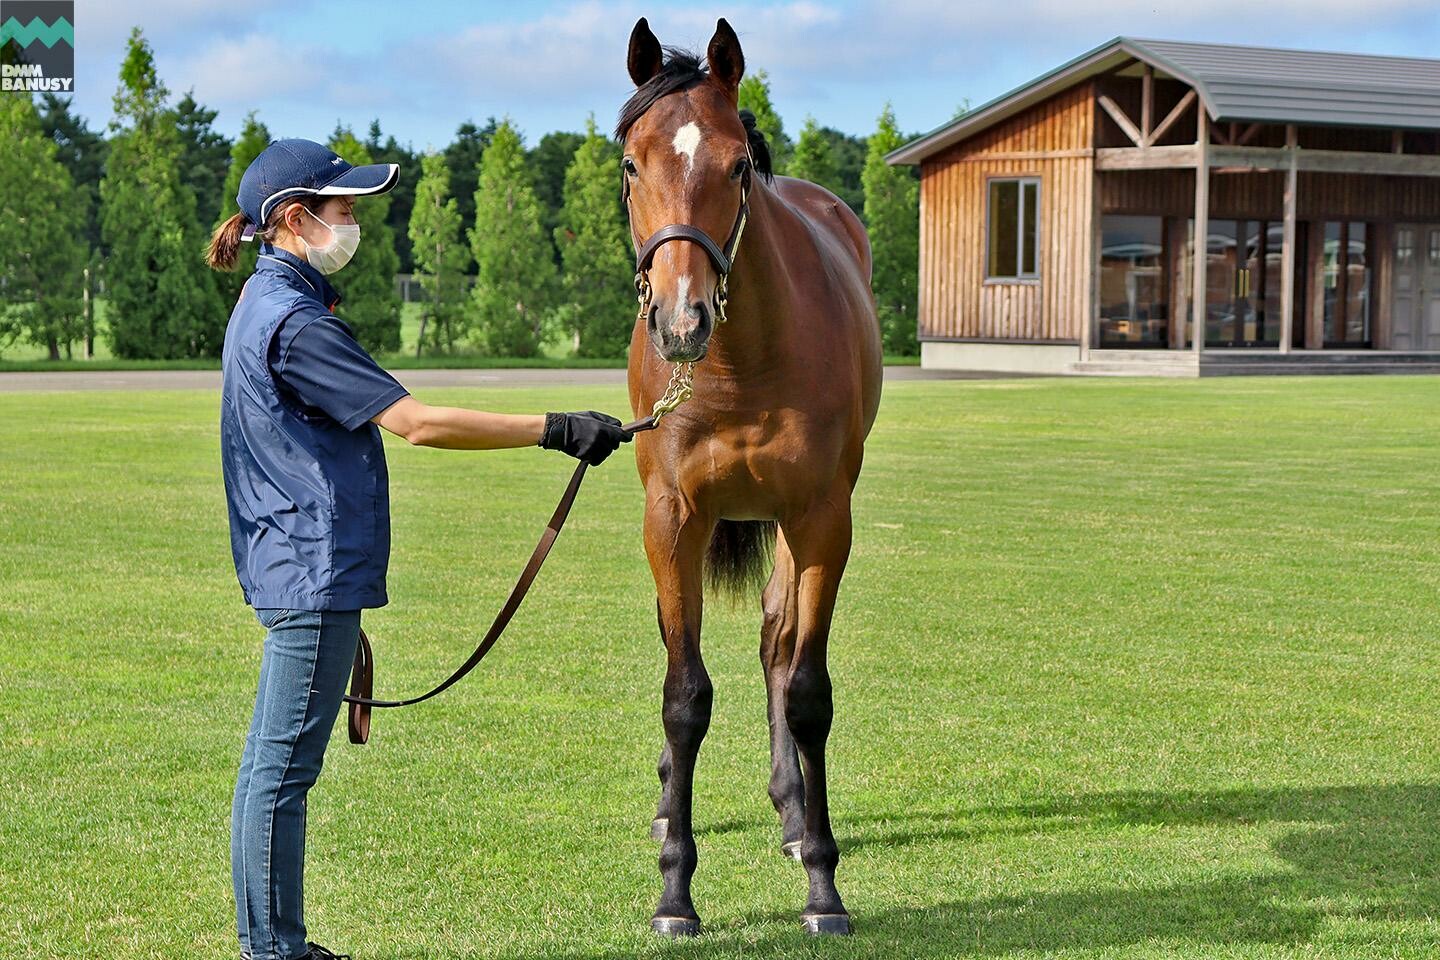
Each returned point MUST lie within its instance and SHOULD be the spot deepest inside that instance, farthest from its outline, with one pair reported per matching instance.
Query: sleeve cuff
(365, 413)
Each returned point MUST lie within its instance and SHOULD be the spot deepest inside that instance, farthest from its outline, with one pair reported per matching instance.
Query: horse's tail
(740, 555)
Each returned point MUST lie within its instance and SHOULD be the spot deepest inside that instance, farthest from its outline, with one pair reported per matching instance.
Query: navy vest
(308, 499)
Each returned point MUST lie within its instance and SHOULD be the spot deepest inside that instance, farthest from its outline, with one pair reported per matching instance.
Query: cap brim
(363, 181)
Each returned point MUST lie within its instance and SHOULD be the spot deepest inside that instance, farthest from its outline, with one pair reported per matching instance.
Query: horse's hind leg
(820, 542)
(777, 649)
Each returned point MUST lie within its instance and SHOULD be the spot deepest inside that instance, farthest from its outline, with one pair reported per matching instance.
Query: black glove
(588, 436)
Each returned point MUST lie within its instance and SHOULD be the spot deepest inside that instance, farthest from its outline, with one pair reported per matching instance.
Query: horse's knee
(688, 698)
(808, 705)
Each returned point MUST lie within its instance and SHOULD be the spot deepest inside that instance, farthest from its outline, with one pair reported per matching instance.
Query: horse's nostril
(652, 321)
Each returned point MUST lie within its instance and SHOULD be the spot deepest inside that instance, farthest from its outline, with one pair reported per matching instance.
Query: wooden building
(1058, 222)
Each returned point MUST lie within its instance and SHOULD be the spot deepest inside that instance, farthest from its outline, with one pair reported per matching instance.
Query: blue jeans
(302, 678)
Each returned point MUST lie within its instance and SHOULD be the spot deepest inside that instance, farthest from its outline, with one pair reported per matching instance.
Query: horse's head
(687, 162)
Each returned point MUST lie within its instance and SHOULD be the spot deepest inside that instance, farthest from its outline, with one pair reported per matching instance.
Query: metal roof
(1265, 84)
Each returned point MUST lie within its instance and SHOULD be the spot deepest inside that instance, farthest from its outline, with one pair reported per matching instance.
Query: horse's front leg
(820, 543)
(675, 542)
(662, 768)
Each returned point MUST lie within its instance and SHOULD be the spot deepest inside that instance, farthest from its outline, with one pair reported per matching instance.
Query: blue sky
(424, 67)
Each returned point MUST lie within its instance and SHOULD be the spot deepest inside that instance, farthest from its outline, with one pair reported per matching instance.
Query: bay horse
(785, 322)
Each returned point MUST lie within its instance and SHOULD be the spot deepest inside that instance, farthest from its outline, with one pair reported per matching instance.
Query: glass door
(1242, 302)
(1134, 295)
(1346, 268)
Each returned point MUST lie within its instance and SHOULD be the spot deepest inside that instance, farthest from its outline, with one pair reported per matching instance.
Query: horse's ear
(645, 57)
(727, 63)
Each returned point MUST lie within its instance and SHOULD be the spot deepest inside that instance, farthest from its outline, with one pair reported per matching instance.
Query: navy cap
(292, 168)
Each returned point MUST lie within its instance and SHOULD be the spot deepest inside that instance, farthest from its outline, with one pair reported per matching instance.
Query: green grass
(1122, 669)
(28, 358)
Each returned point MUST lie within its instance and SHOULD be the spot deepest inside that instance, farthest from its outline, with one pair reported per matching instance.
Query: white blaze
(687, 140)
(681, 322)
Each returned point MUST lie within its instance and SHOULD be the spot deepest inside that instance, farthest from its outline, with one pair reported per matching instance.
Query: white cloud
(549, 69)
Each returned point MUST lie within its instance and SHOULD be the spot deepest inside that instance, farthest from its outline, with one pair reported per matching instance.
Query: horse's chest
(753, 471)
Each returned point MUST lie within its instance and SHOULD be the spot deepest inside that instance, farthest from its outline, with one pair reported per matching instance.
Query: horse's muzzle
(684, 335)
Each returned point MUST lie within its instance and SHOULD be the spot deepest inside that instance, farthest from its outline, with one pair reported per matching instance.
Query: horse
(763, 458)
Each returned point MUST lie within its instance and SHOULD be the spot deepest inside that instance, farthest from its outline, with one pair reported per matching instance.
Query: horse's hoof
(791, 850)
(675, 926)
(827, 924)
(659, 827)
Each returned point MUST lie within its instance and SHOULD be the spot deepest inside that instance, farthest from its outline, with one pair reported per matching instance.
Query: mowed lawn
(1123, 669)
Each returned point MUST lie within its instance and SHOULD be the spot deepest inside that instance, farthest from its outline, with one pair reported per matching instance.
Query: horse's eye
(629, 167)
(741, 166)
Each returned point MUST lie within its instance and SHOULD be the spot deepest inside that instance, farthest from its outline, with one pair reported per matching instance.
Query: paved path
(414, 379)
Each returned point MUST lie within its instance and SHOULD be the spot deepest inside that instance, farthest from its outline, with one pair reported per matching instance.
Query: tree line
(514, 248)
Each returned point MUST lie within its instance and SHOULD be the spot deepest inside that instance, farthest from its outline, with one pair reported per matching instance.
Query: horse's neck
(760, 293)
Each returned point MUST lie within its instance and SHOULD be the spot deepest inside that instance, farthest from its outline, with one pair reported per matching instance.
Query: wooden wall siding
(1321, 196)
(1061, 123)
(1052, 142)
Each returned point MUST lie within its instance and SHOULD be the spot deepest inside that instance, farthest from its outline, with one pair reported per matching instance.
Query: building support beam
(1202, 232)
(1171, 118)
(1091, 321)
(1287, 247)
(1268, 158)
(1147, 105)
(1126, 125)
(1315, 274)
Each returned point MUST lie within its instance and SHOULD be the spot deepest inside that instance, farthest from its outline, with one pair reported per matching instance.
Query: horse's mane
(681, 71)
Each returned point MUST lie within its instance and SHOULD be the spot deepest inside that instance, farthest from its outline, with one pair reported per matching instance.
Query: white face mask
(344, 238)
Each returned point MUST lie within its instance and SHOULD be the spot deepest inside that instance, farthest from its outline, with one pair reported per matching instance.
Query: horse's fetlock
(820, 855)
(678, 856)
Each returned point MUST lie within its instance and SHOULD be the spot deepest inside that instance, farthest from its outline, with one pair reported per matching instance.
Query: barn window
(1013, 225)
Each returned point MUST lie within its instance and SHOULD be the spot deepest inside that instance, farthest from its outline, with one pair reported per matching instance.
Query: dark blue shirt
(304, 467)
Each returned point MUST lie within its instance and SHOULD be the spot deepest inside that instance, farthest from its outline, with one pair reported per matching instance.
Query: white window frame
(1020, 276)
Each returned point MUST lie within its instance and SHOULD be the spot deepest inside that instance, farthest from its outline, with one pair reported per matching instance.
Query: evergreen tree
(206, 156)
(82, 151)
(549, 161)
(811, 159)
(848, 155)
(42, 245)
(162, 297)
(463, 157)
(754, 96)
(440, 257)
(892, 213)
(595, 251)
(402, 198)
(371, 305)
(253, 139)
(515, 266)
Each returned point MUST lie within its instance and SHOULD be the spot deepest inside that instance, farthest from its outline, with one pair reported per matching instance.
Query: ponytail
(225, 244)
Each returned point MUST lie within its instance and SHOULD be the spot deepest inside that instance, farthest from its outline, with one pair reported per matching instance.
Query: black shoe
(318, 952)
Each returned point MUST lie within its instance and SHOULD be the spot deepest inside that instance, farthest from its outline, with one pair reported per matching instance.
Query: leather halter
(723, 258)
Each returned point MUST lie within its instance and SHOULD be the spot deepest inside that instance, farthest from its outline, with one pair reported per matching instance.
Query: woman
(309, 506)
